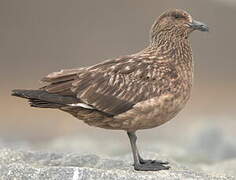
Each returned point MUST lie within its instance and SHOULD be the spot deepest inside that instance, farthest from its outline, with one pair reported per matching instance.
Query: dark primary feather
(43, 99)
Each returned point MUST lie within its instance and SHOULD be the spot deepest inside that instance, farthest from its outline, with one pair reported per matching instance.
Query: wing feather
(113, 86)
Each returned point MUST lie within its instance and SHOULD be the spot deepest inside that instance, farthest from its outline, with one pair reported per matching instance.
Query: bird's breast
(172, 90)
(150, 113)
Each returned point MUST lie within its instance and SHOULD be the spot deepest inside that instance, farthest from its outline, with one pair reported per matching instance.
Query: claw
(150, 167)
(142, 161)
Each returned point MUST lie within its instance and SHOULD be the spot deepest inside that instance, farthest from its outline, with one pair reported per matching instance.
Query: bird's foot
(149, 165)
(144, 161)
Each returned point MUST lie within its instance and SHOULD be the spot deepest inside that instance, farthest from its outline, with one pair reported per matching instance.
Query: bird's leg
(141, 164)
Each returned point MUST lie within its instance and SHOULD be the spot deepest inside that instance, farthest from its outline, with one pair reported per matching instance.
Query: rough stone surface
(27, 165)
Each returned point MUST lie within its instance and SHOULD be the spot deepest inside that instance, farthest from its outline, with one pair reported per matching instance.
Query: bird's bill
(197, 25)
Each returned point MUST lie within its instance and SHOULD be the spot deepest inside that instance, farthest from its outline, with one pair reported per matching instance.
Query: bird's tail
(43, 99)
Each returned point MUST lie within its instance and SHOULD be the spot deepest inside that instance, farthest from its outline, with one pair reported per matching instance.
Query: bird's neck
(174, 50)
(171, 47)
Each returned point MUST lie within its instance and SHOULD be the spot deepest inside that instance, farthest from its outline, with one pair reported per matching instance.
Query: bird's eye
(178, 16)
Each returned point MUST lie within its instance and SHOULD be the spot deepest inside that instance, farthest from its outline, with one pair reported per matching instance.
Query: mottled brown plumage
(138, 91)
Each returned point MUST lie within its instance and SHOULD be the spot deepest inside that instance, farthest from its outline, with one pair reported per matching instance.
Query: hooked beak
(196, 25)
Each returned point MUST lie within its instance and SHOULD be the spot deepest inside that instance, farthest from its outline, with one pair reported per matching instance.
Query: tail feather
(44, 104)
(43, 99)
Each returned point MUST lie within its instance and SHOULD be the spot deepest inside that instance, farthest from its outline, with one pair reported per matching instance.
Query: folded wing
(113, 86)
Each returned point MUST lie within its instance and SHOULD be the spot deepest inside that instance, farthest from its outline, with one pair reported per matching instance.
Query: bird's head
(175, 23)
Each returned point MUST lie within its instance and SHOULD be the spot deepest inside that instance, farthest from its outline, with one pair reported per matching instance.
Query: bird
(133, 92)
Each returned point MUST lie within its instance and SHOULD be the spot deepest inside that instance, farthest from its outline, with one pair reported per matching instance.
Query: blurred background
(39, 37)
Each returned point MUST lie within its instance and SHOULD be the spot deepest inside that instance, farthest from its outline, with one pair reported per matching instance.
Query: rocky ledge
(29, 165)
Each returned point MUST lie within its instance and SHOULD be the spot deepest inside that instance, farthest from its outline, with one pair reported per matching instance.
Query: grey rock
(27, 165)
(224, 167)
